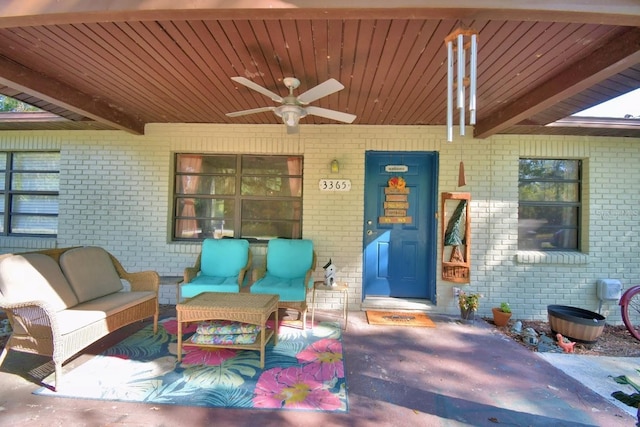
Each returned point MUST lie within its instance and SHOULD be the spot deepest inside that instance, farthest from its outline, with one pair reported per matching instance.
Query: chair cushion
(289, 259)
(226, 327)
(31, 277)
(204, 283)
(287, 289)
(90, 272)
(233, 339)
(224, 257)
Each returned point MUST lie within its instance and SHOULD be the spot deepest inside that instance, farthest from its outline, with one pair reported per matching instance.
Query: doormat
(304, 371)
(399, 318)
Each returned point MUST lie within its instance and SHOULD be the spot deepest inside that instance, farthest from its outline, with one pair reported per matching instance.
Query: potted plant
(468, 304)
(502, 314)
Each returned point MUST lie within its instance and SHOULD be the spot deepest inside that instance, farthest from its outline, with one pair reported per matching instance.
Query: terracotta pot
(500, 318)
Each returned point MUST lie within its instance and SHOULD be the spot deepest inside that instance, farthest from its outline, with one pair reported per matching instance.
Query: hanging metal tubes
(458, 54)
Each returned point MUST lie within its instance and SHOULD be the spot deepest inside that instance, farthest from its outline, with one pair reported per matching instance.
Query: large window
(549, 204)
(247, 196)
(29, 185)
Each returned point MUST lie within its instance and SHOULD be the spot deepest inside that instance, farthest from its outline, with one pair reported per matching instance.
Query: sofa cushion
(90, 272)
(99, 309)
(224, 257)
(34, 276)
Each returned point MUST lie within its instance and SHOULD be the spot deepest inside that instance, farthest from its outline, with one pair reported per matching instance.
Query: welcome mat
(399, 318)
(304, 371)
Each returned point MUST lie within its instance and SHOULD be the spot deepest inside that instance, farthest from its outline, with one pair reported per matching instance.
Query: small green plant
(468, 301)
(504, 306)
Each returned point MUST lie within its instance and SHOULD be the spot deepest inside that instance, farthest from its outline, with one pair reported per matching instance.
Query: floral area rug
(304, 371)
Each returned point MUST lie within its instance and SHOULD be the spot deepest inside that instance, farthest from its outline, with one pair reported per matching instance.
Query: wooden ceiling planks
(427, 105)
(394, 70)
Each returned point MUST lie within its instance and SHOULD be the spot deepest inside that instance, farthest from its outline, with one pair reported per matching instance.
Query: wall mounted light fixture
(335, 166)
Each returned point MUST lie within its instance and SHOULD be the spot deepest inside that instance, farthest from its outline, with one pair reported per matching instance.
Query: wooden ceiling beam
(46, 12)
(614, 57)
(48, 89)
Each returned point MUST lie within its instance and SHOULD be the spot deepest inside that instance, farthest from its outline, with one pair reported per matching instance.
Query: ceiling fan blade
(252, 111)
(248, 83)
(323, 89)
(330, 114)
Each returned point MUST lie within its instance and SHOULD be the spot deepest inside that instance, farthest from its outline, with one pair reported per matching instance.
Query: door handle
(369, 232)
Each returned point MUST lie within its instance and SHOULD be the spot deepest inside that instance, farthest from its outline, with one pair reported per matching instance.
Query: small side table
(340, 287)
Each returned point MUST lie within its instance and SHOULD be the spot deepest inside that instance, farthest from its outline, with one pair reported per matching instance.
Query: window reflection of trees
(264, 200)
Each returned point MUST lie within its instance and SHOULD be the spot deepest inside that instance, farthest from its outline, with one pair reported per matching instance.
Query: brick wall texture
(115, 192)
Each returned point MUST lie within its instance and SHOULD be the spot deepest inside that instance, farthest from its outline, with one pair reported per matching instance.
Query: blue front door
(400, 231)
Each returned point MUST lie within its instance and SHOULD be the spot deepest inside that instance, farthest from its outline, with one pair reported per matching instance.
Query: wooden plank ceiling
(107, 70)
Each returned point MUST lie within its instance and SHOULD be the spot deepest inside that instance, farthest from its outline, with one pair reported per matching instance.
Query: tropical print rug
(304, 371)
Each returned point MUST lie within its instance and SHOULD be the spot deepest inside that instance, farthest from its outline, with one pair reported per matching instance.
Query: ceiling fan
(294, 108)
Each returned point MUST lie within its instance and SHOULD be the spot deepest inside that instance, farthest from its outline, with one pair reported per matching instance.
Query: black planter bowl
(575, 323)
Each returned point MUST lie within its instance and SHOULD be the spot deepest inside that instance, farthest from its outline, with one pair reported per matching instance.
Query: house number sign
(335, 185)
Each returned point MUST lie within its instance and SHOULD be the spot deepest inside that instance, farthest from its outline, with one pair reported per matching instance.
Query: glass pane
(271, 165)
(553, 169)
(271, 210)
(549, 191)
(219, 165)
(30, 203)
(270, 229)
(3, 160)
(271, 186)
(210, 185)
(32, 181)
(2, 181)
(203, 228)
(205, 208)
(36, 161)
(194, 163)
(32, 224)
(543, 227)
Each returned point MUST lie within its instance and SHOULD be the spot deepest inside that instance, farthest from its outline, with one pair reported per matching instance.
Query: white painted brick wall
(116, 192)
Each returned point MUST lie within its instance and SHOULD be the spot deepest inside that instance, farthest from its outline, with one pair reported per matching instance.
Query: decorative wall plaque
(396, 202)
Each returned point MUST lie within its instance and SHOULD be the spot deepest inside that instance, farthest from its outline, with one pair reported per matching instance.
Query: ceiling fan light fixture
(290, 118)
(290, 114)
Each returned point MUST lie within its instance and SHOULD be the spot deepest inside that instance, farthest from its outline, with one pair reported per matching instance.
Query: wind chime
(461, 43)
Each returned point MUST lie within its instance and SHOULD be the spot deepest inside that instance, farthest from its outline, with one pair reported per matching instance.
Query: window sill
(541, 257)
(28, 242)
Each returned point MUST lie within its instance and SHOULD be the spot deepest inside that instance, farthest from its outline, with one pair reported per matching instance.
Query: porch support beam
(606, 61)
(56, 92)
(47, 12)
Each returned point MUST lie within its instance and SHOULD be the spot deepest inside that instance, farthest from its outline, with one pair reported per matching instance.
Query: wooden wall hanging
(456, 237)
(396, 202)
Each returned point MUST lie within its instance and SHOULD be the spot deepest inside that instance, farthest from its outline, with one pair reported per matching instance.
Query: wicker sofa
(60, 301)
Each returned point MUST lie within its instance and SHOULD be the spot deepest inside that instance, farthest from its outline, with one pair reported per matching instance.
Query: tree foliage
(11, 105)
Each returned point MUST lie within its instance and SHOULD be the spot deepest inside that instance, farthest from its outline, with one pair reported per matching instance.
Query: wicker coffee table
(239, 307)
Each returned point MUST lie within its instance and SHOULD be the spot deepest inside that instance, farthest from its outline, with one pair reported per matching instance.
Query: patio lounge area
(454, 374)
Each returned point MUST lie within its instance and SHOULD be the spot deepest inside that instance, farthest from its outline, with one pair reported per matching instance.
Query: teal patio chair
(289, 265)
(221, 267)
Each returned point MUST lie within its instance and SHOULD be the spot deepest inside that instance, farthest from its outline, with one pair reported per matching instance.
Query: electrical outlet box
(456, 292)
(609, 289)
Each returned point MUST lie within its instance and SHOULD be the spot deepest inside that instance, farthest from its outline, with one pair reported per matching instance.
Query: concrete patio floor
(452, 375)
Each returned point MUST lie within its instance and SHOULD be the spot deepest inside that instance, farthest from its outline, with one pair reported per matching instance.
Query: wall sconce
(335, 166)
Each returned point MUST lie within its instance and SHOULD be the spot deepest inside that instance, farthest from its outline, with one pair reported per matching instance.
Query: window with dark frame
(29, 189)
(549, 211)
(243, 196)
